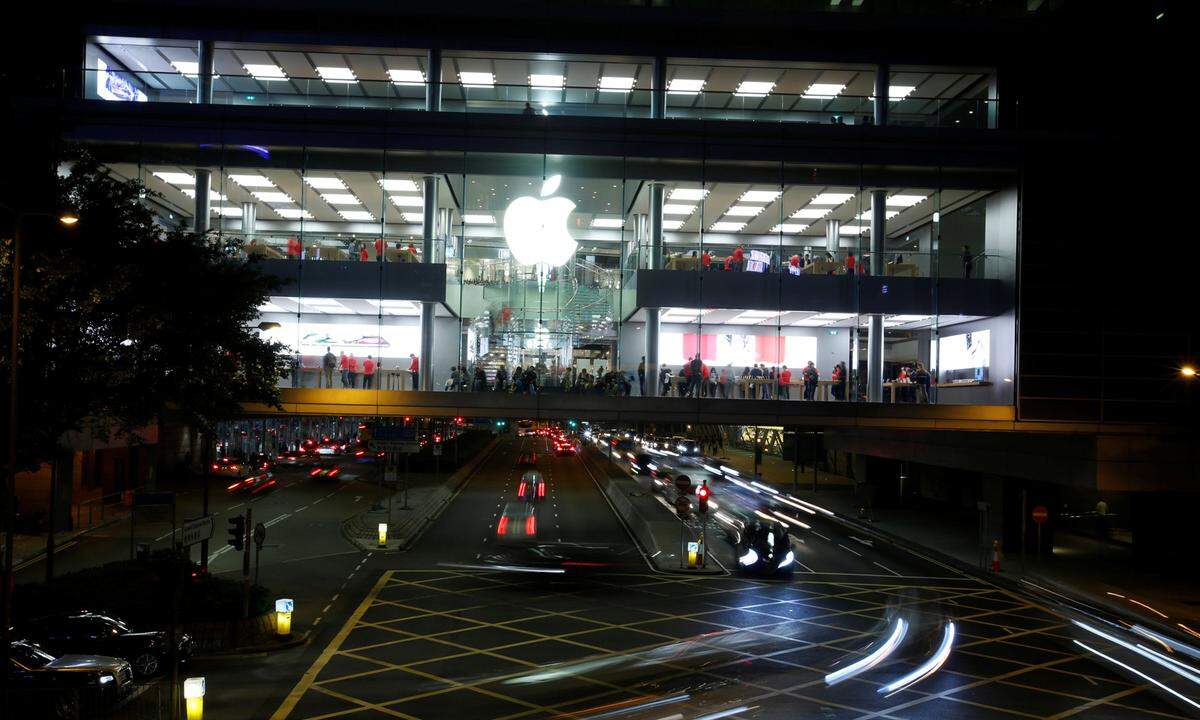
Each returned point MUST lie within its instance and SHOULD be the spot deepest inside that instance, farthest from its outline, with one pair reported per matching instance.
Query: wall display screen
(738, 350)
(382, 342)
(116, 86)
(964, 357)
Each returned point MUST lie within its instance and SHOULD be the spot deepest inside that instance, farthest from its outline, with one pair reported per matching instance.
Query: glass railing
(536, 102)
(311, 246)
(811, 260)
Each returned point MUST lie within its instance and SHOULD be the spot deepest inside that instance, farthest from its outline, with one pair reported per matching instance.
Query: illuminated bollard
(283, 616)
(382, 534)
(193, 695)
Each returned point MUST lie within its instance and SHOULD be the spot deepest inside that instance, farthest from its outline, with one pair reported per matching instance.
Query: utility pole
(206, 450)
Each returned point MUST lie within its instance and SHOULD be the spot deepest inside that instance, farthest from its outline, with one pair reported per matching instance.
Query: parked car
(103, 634)
(69, 686)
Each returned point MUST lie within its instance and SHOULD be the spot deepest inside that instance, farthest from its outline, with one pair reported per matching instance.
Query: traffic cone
(995, 556)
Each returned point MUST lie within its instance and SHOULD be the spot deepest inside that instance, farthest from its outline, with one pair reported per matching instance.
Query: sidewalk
(1085, 567)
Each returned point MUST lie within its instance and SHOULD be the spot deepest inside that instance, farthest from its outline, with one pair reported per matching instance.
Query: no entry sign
(1040, 514)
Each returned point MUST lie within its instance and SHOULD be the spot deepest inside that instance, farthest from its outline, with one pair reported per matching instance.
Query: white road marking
(885, 567)
(302, 508)
(234, 507)
(276, 520)
(849, 550)
(164, 536)
(219, 552)
(857, 539)
(814, 532)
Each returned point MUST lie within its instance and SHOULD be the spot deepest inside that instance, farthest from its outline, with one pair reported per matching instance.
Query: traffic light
(702, 494)
(237, 532)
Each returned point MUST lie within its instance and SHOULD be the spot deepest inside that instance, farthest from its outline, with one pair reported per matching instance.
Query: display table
(821, 267)
(892, 268)
(683, 262)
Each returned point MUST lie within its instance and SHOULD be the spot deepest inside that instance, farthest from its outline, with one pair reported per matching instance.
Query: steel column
(429, 231)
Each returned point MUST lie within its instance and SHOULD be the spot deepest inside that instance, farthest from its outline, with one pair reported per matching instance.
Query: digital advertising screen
(964, 357)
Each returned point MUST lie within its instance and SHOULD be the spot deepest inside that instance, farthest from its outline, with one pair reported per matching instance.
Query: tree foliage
(123, 319)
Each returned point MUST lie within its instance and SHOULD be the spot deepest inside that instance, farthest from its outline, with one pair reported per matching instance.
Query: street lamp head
(68, 218)
(268, 325)
(1187, 371)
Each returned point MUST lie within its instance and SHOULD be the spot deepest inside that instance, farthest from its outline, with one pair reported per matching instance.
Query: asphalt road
(439, 632)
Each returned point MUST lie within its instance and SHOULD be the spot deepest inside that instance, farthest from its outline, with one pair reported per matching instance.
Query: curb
(254, 650)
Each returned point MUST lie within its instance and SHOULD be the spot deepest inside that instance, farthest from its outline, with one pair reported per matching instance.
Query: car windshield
(30, 656)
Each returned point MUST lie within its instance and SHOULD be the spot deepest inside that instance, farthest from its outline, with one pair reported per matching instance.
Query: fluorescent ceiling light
(899, 92)
(607, 222)
(616, 83)
(318, 301)
(852, 229)
(212, 194)
(340, 199)
(270, 307)
(399, 185)
(269, 196)
(678, 209)
(726, 226)
(908, 318)
(293, 213)
(479, 219)
(266, 72)
(832, 317)
(324, 183)
(830, 198)
(812, 213)
(356, 215)
(413, 217)
(546, 82)
(407, 77)
(672, 224)
(688, 194)
(392, 303)
(760, 196)
(888, 214)
(227, 210)
(186, 67)
(252, 181)
(477, 79)
(744, 210)
(761, 314)
(824, 91)
(407, 200)
(789, 228)
(810, 322)
(905, 200)
(336, 74)
(753, 88)
(685, 86)
(176, 178)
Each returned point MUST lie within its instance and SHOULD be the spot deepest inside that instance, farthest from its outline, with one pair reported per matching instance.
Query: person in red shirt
(379, 249)
(850, 263)
(412, 253)
(729, 262)
(368, 372)
(353, 366)
(785, 383)
(705, 259)
(704, 373)
(414, 367)
(363, 255)
(344, 367)
(739, 259)
(293, 248)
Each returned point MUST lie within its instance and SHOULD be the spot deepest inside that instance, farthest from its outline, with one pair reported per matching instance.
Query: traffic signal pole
(246, 566)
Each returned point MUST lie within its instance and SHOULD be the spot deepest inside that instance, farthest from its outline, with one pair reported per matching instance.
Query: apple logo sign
(535, 228)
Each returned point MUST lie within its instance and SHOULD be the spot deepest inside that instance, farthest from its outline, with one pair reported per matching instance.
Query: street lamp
(9, 498)
(1187, 371)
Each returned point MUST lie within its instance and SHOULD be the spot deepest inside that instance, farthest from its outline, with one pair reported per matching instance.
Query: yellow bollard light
(193, 695)
(383, 534)
(283, 616)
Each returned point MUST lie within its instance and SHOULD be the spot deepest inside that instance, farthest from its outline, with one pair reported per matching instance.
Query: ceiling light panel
(478, 219)
(337, 74)
(905, 200)
(407, 77)
(688, 194)
(888, 215)
(407, 201)
(293, 213)
(266, 72)
(684, 86)
(824, 91)
(212, 194)
(227, 210)
(175, 178)
(678, 209)
(399, 185)
(727, 226)
(609, 223)
(789, 228)
(672, 225)
(754, 88)
(324, 183)
(852, 229)
(413, 217)
(477, 79)
(252, 181)
(744, 210)
(812, 213)
(616, 83)
(272, 196)
(899, 92)
(546, 82)
(760, 196)
(356, 215)
(828, 198)
(340, 199)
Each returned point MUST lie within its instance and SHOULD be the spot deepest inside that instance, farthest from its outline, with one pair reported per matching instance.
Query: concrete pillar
(433, 80)
(875, 344)
(641, 224)
(883, 74)
(658, 88)
(429, 230)
(249, 218)
(833, 235)
(204, 81)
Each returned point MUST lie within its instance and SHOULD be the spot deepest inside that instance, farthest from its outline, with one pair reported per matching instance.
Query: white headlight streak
(877, 656)
(926, 668)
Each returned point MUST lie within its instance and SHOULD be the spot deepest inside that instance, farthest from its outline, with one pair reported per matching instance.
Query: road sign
(1040, 514)
(437, 450)
(683, 483)
(260, 535)
(683, 506)
(389, 475)
(198, 529)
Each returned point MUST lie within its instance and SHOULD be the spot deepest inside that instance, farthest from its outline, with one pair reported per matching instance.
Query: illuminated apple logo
(536, 228)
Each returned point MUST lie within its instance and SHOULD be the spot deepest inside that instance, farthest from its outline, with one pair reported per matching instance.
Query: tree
(123, 319)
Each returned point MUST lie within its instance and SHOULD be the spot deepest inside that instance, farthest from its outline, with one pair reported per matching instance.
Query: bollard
(193, 695)
(283, 616)
(995, 556)
(383, 534)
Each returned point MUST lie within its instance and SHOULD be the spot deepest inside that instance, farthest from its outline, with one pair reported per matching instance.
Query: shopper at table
(739, 259)
(352, 367)
(811, 376)
(785, 383)
(329, 363)
(368, 372)
(414, 368)
(768, 387)
(922, 378)
(850, 261)
(706, 260)
(723, 383)
(839, 381)
(294, 249)
(756, 374)
(729, 262)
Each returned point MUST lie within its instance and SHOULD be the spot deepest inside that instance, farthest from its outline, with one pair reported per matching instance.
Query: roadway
(442, 630)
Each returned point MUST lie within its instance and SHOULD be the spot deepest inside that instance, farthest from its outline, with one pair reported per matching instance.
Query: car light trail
(634, 708)
(1139, 673)
(749, 558)
(757, 484)
(503, 526)
(1185, 671)
(711, 469)
(725, 713)
(796, 505)
(787, 560)
(927, 668)
(791, 520)
(767, 517)
(731, 471)
(814, 506)
(870, 661)
(743, 485)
